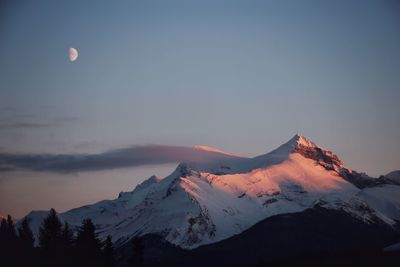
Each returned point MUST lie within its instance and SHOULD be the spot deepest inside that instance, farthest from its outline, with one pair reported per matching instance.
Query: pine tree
(87, 238)
(25, 235)
(67, 236)
(3, 230)
(88, 245)
(138, 248)
(11, 233)
(108, 252)
(3, 238)
(25, 249)
(50, 234)
(8, 242)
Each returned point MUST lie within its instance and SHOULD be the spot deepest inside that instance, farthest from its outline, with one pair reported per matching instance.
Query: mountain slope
(317, 233)
(394, 176)
(208, 201)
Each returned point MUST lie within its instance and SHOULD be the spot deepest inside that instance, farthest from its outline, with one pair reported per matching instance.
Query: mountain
(213, 149)
(204, 202)
(314, 237)
(394, 247)
(394, 177)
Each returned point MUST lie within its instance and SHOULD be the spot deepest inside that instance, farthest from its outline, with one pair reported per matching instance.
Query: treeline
(57, 244)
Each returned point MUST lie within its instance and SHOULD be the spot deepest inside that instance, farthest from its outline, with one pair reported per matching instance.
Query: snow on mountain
(213, 149)
(394, 176)
(205, 202)
(384, 199)
(393, 248)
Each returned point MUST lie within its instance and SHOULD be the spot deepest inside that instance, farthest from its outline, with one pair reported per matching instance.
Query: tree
(88, 245)
(138, 248)
(50, 234)
(67, 236)
(3, 238)
(87, 238)
(108, 252)
(8, 242)
(11, 233)
(3, 230)
(25, 249)
(25, 235)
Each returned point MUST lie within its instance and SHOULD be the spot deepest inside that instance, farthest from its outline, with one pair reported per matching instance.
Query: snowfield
(205, 202)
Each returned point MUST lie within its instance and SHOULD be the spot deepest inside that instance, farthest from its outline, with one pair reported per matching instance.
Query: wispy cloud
(118, 158)
(10, 124)
(22, 125)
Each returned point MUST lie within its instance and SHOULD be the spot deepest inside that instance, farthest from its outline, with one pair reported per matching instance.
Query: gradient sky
(243, 76)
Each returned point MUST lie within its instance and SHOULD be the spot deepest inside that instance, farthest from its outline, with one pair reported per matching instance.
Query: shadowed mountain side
(314, 237)
(394, 176)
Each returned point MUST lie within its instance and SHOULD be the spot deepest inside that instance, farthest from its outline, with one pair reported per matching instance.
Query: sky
(242, 76)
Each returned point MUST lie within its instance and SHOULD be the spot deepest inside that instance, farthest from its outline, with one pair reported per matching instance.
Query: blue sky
(243, 76)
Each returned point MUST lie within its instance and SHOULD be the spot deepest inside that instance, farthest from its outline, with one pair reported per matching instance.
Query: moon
(73, 54)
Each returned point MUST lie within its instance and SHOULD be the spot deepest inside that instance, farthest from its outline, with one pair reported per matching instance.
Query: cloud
(118, 158)
(22, 125)
(10, 124)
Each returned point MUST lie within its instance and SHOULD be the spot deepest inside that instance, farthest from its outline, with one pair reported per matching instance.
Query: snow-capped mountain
(205, 202)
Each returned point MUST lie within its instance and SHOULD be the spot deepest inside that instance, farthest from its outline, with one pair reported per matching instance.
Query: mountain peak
(309, 149)
(300, 140)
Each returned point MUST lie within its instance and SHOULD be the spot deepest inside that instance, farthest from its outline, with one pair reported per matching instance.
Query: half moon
(73, 54)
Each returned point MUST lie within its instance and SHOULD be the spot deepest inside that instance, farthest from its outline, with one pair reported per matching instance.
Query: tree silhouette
(88, 245)
(25, 235)
(25, 247)
(50, 234)
(87, 238)
(3, 240)
(67, 236)
(138, 248)
(11, 233)
(8, 242)
(108, 252)
(3, 230)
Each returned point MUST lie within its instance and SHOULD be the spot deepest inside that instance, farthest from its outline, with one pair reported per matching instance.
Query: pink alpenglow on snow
(205, 202)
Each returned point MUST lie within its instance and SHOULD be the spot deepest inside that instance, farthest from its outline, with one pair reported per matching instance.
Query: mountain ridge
(205, 202)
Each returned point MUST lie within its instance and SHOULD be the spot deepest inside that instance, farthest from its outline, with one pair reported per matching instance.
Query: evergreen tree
(8, 243)
(88, 245)
(87, 238)
(108, 252)
(138, 248)
(25, 235)
(50, 233)
(67, 254)
(3, 238)
(67, 236)
(25, 249)
(3, 230)
(11, 233)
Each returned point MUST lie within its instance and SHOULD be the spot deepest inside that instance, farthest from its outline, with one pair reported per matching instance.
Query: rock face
(325, 158)
(206, 202)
